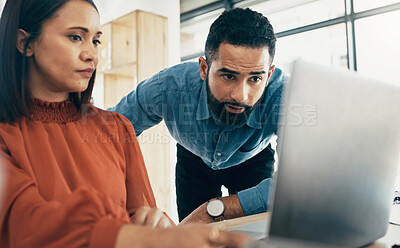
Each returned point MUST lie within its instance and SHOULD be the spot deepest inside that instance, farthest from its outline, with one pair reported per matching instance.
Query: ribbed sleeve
(28, 220)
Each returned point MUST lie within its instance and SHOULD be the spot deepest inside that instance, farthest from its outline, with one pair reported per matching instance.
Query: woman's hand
(152, 217)
(203, 236)
(187, 236)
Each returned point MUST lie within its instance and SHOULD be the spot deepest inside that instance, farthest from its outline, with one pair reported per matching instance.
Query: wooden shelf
(134, 47)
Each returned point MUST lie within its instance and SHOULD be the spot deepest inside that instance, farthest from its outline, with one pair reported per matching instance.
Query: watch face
(215, 208)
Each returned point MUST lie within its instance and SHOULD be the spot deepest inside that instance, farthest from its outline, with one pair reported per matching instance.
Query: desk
(392, 236)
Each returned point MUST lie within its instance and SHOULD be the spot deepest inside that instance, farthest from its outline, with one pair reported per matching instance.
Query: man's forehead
(242, 58)
(230, 48)
(240, 67)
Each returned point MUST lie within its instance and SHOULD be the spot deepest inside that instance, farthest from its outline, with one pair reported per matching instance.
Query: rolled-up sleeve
(255, 200)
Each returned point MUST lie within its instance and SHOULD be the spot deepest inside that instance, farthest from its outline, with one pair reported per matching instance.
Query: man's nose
(240, 92)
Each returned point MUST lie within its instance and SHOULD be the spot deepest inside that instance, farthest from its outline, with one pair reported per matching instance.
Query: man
(222, 112)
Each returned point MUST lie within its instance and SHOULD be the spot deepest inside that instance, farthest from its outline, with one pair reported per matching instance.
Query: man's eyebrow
(257, 72)
(228, 71)
(85, 30)
(237, 73)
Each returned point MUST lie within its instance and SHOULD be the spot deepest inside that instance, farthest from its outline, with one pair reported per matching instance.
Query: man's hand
(233, 209)
(152, 217)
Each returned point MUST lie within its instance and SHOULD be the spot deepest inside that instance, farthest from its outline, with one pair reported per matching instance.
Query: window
(378, 50)
(2, 3)
(194, 34)
(325, 46)
(285, 15)
(319, 31)
(362, 5)
(189, 5)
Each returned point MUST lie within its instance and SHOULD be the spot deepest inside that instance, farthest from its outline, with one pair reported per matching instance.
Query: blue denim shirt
(178, 96)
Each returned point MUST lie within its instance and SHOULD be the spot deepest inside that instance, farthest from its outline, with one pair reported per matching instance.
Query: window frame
(349, 17)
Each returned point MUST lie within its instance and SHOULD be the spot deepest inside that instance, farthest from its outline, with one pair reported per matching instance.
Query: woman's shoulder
(109, 115)
(6, 127)
(111, 118)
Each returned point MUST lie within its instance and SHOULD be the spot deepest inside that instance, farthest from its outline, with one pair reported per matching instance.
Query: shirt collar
(203, 112)
(254, 120)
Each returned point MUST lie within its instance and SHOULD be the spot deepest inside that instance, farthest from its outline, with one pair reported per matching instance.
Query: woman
(74, 174)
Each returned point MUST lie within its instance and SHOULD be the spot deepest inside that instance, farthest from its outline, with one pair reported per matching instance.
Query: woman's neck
(42, 94)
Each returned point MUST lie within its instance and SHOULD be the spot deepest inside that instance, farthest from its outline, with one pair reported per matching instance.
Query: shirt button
(219, 154)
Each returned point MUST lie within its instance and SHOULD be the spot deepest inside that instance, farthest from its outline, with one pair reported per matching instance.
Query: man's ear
(270, 71)
(22, 38)
(203, 68)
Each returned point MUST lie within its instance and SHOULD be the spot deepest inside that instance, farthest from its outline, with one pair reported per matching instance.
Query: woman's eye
(75, 37)
(96, 42)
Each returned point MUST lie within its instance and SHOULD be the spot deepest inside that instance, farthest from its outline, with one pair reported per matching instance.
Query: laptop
(339, 146)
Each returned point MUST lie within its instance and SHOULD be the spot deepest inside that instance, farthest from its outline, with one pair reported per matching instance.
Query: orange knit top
(69, 179)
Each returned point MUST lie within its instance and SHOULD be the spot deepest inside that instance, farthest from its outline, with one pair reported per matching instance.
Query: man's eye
(255, 79)
(228, 76)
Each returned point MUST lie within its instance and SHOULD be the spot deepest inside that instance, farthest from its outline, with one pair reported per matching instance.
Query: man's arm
(143, 106)
(247, 202)
(233, 209)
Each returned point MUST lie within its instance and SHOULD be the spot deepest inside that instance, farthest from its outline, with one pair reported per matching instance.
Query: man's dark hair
(240, 27)
(28, 15)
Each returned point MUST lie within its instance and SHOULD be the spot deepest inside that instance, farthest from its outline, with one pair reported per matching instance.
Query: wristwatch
(216, 208)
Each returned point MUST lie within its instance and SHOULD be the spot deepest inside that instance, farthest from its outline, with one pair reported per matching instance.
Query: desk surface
(392, 236)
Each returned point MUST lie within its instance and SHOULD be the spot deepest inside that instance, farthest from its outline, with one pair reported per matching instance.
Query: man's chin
(231, 119)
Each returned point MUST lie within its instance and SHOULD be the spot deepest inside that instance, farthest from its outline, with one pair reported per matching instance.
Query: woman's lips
(87, 73)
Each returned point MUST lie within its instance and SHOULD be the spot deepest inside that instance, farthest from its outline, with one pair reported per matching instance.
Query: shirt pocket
(250, 147)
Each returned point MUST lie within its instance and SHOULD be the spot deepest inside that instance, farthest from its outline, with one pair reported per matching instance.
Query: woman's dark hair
(28, 15)
(240, 27)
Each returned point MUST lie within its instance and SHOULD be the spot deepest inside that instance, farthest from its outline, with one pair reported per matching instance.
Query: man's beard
(224, 116)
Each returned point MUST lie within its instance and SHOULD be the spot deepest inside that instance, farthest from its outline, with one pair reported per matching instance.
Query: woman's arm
(84, 218)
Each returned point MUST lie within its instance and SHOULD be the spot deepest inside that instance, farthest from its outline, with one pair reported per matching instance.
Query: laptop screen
(338, 153)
